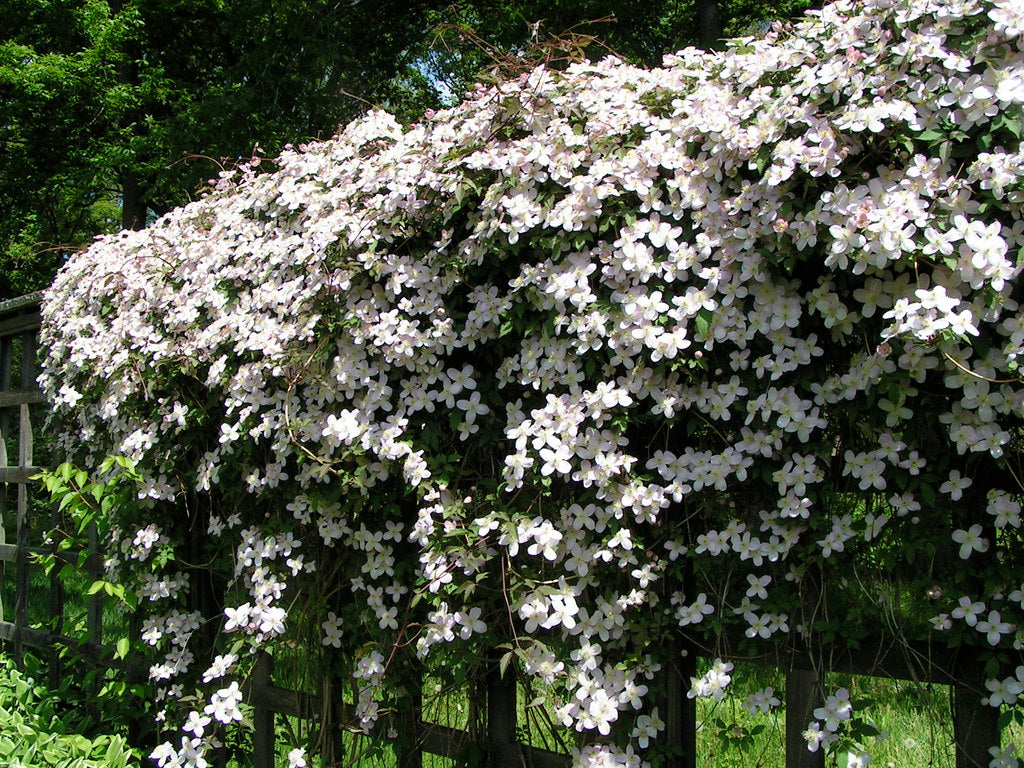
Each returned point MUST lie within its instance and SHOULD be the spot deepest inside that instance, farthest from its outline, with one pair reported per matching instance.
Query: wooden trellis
(975, 726)
(19, 324)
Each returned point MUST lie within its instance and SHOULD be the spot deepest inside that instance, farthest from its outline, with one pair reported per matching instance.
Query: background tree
(466, 36)
(116, 111)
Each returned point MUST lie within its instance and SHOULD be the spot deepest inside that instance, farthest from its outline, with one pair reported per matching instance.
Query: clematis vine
(600, 354)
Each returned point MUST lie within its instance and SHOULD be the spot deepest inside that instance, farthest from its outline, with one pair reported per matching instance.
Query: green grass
(913, 718)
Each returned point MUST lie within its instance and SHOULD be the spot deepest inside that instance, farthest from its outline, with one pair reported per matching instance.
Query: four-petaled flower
(970, 540)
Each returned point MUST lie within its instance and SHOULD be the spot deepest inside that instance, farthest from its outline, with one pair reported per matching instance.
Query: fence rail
(975, 726)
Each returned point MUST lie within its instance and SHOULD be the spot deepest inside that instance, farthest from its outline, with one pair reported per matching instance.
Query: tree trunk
(709, 24)
(133, 207)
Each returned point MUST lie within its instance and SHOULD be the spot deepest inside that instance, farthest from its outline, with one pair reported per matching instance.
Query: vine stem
(508, 605)
(969, 372)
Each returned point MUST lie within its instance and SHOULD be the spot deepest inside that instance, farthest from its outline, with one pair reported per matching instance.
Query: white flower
(470, 622)
(69, 395)
(272, 620)
(1003, 757)
(970, 541)
(837, 709)
(1004, 691)
(196, 723)
(238, 618)
(603, 711)
(223, 706)
(955, 485)
(994, 627)
(968, 610)
(817, 737)
(332, 631)
(761, 701)
(694, 613)
(220, 666)
(713, 684)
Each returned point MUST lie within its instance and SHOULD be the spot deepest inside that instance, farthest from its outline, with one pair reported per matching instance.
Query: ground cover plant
(599, 359)
(37, 731)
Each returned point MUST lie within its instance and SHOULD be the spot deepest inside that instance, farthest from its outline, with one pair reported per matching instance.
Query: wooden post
(975, 725)
(56, 670)
(501, 716)
(410, 717)
(803, 696)
(22, 525)
(28, 382)
(5, 421)
(331, 713)
(94, 605)
(262, 718)
(680, 711)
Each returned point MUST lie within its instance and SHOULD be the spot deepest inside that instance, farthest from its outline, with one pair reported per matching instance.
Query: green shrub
(33, 733)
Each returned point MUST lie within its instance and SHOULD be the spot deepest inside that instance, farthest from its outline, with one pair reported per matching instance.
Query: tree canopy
(116, 112)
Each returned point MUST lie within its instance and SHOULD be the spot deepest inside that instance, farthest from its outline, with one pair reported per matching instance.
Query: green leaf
(115, 756)
(97, 490)
(503, 664)
(121, 648)
(928, 494)
(703, 322)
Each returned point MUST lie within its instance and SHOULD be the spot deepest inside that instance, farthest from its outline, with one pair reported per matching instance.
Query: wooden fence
(22, 407)
(975, 726)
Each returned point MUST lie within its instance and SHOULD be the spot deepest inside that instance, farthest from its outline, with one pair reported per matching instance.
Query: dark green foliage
(116, 111)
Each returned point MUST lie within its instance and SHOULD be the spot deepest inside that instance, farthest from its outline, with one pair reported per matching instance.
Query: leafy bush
(34, 733)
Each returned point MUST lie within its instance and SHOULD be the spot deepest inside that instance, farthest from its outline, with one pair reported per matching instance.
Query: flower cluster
(824, 731)
(599, 354)
(714, 682)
